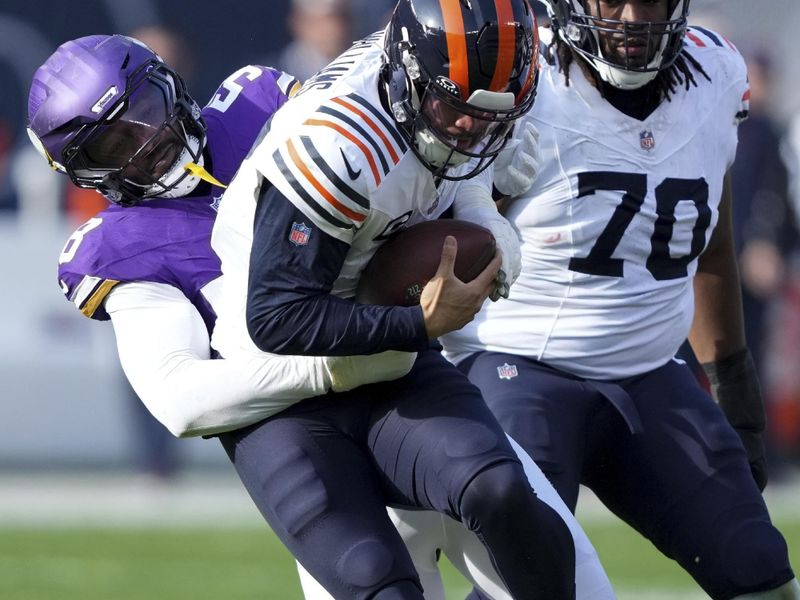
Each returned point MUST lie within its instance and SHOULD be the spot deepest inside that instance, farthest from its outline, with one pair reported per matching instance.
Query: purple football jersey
(168, 240)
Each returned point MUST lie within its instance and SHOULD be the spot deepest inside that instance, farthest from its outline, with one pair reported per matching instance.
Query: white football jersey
(614, 223)
(337, 155)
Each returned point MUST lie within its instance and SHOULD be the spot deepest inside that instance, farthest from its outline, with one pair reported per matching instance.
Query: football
(403, 265)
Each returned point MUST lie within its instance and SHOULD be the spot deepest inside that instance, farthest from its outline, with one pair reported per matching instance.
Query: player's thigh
(431, 434)
(318, 489)
(685, 444)
(545, 411)
(684, 482)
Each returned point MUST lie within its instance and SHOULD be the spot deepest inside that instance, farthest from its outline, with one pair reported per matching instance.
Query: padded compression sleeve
(163, 346)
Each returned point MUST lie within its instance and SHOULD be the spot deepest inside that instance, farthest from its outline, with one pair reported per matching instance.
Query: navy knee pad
(365, 565)
(369, 569)
(500, 485)
(757, 556)
(529, 544)
(736, 552)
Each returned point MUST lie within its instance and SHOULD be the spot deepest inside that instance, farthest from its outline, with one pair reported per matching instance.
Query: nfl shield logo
(646, 140)
(507, 371)
(299, 234)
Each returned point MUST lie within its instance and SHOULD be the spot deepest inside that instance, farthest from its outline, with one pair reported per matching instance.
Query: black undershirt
(638, 103)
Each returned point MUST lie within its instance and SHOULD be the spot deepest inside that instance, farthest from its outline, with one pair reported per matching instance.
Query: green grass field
(248, 563)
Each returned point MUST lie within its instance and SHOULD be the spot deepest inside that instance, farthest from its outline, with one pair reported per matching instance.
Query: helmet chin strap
(182, 179)
(199, 171)
(436, 153)
(620, 78)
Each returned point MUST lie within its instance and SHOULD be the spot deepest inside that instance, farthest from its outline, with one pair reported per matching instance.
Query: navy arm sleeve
(290, 309)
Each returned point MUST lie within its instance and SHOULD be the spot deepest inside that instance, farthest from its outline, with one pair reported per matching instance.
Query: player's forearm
(330, 326)
(194, 397)
(163, 347)
(717, 330)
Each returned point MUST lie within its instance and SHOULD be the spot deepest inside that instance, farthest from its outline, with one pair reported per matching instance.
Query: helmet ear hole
(398, 90)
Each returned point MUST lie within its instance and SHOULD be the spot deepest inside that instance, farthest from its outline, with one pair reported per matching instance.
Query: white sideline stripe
(628, 593)
(209, 500)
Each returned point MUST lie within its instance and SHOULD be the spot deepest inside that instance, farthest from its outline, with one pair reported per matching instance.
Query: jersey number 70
(634, 187)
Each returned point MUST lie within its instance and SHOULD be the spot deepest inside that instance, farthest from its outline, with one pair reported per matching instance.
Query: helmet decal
(453, 22)
(101, 104)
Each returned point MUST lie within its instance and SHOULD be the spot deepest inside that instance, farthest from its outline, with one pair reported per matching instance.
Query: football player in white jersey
(627, 250)
(355, 156)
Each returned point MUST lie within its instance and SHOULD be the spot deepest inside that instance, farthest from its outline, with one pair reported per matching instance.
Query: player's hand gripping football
(447, 302)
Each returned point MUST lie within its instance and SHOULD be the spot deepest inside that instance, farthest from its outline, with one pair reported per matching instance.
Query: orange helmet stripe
(506, 46)
(456, 44)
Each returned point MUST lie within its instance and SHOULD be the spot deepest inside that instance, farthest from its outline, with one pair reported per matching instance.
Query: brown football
(403, 265)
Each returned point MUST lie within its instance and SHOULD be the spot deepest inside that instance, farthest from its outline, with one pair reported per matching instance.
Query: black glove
(734, 386)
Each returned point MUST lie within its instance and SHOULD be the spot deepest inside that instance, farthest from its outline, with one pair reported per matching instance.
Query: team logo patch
(507, 371)
(646, 140)
(299, 234)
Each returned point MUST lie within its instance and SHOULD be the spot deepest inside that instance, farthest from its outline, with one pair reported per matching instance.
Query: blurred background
(77, 451)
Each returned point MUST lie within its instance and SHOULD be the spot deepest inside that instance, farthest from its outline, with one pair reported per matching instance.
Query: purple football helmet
(111, 114)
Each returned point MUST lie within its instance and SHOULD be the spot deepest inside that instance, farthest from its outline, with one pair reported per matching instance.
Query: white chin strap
(436, 153)
(189, 182)
(620, 78)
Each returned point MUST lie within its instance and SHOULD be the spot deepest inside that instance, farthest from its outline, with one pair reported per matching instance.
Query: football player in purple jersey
(110, 114)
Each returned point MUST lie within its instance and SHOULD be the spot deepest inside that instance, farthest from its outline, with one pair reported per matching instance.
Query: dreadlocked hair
(666, 81)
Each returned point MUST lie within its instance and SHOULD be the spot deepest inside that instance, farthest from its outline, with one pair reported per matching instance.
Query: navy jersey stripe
(331, 175)
(343, 117)
(384, 121)
(709, 35)
(300, 191)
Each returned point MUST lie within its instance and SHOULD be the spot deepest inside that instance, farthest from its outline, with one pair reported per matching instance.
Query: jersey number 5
(668, 193)
(222, 100)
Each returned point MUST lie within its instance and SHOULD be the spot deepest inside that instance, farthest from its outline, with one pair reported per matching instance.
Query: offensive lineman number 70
(668, 193)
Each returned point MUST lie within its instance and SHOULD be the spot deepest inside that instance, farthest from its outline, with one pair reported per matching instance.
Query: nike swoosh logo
(350, 172)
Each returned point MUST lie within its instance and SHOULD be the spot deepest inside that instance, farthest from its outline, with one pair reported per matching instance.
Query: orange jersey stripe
(319, 187)
(352, 138)
(695, 39)
(456, 44)
(372, 126)
(506, 45)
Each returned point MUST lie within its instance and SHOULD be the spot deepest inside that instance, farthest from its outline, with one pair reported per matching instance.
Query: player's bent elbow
(173, 409)
(267, 333)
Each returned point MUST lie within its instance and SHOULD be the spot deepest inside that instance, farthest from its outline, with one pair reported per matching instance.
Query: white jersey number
(668, 194)
(222, 102)
(71, 247)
